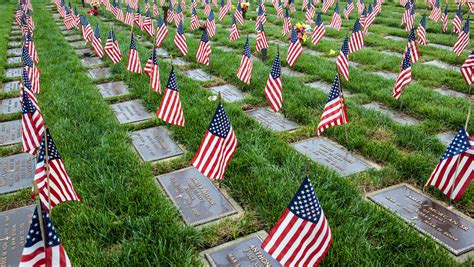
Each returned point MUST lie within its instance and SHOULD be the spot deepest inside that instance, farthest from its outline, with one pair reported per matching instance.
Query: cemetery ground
(126, 219)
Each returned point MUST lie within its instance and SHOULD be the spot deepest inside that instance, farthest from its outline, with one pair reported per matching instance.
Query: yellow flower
(332, 52)
(304, 37)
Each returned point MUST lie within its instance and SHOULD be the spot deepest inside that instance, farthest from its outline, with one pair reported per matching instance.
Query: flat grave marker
(198, 75)
(225, 49)
(277, 42)
(442, 65)
(14, 37)
(84, 52)
(112, 89)
(452, 230)
(446, 137)
(10, 105)
(229, 92)
(396, 116)
(100, 73)
(78, 44)
(74, 37)
(15, 32)
(162, 52)
(155, 144)
(448, 92)
(14, 52)
(91, 62)
(15, 225)
(177, 61)
(313, 52)
(17, 172)
(147, 44)
(15, 28)
(13, 60)
(325, 87)
(130, 111)
(11, 86)
(14, 44)
(63, 28)
(198, 200)
(351, 63)
(386, 75)
(394, 38)
(10, 132)
(274, 121)
(391, 53)
(333, 156)
(291, 73)
(67, 33)
(13, 73)
(328, 39)
(244, 251)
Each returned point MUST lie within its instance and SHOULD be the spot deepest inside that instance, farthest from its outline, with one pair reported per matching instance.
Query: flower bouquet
(303, 30)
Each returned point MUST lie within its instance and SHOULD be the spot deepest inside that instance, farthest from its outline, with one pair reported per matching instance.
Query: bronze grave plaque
(10, 132)
(112, 89)
(155, 144)
(10, 105)
(272, 120)
(17, 172)
(130, 111)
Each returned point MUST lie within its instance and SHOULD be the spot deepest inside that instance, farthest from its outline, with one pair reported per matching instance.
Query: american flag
(193, 4)
(404, 77)
(336, 21)
(211, 24)
(179, 16)
(310, 10)
(32, 71)
(262, 41)
(455, 170)
(286, 23)
(357, 38)
(61, 10)
(467, 69)
(180, 40)
(273, 89)
(134, 64)
(40, 252)
(279, 10)
(86, 29)
(58, 188)
(32, 125)
(97, 43)
(30, 44)
(161, 31)
(421, 31)
(348, 9)
(29, 21)
(119, 11)
(114, 9)
(207, 8)
(471, 7)
(302, 236)
(369, 18)
(411, 18)
(342, 60)
(156, 11)
(362, 19)
(153, 71)
(234, 31)
(262, 6)
(406, 14)
(334, 112)
(138, 19)
(148, 24)
(170, 109)
(183, 3)
(444, 19)
(147, 5)
(224, 8)
(128, 16)
(457, 20)
(319, 30)
(194, 19)
(326, 5)
(77, 18)
(244, 72)
(18, 15)
(360, 6)
(170, 14)
(295, 49)
(112, 48)
(377, 7)
(413, 47)
(107, 5)
(149, 64)
(238, 14)
(463, 39)
(292, 6)
(217, 147)
(261, 18)
(68, 20)
(436, 12)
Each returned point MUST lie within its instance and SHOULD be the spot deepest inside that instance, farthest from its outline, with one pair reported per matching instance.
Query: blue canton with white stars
(369, 10)
(53, 153)
(159, 21)
(233, 20)
(180, 29)
(211, 16)
(28, 37)
(318, 20)
(220, 124)
(27, 105)
(406, 61)
(139, 12)
(260, 27)
(345, 46)
(132, 43)
(287, 13)
(147, 14)
(305, 203)
(459, 12)
(193, 11)
(423, 21)
(179, 9)
(466, 26)
(294, 36)
(335, 91)
(260, 11)
(413, 10)
(26, 79)
(111, 35)
(459, 145)
(446, 10)
(172, 84)
(336, 9)
(356, 26)
(75, 11)
(84, 21)
(34, 234)
(276, 67)
(26, 58)
(247, 48)
(239, 8)
(222, 3)
(204, 36)
(411, 36)
(129, 10)
(155, 57)
(97, 32)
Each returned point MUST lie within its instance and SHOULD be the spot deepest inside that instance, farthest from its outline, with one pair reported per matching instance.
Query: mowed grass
(125, 220)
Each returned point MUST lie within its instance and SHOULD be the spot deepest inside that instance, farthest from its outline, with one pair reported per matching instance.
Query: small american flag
(244, 72)
(467, 69)
(180, 40)
(204, 49)
(179, 16)
(128, 16)
(77, 18)
(59, 184)
(342, 60)
(156, 11)
(170, 109)
(234, 31)
(411, 18)
(161, 31)
(261, 5)
(406, 14)
(302, 236)
(310, 10)
(119, 15)
(363, 16)
(39, 252)
(319, 30)
(273, 89)
(262, 41)
(62, 10)
(377, 7)
(436, 12)
(444, 19)
(292, 6)
(193, 4)
(97, 43)
(107, 5)
(134, 64)
(279, 10)
(413, 47)
(112, 48)
(357, 38)
(369, 18)
(207, 8)
(463, 39)
(194, 19)
(336, 21)
(295, 49)
(360, 6)
(30, 44)
(224, 8)
(286, 23)
(211, 24)
(238, 14)
(471, 6)
(114, 9)
(32, 71)
(153, 71)
(217, 147)
(455, 170)
(148, 24)
(334, 113)
(18, 15)
(149, 64)
(68, 20)
(457, 20)
(32, 125)
(138, 19)
(147, 5)
(348, 9)
(86, 29)
(170, 14)
(261, 18)
(404, 77)
(326, 5)
(421, 31)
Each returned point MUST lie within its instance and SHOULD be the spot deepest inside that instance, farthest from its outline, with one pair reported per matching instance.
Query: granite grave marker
(272, 120)
(130, 111)
(155, 144)
(10, 132)
(17, 172)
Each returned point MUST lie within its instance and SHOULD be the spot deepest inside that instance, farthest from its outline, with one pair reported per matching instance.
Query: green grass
(125, 219)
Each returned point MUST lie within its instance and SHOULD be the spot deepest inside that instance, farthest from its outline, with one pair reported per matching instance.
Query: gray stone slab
(63, 28)
(78, 44)
(291, 73)
(14, 60)
(446, 137)
(130, 111)
(14, 37)
(17, 172)
(13, 73)
(322, 86)
(73, 37)
(155, 144)
(14, 44)
(196, 197)
(313, 52)
(162, 52)
(100, 73)
(396, 116)
(391, 53)
(332, 156)
(278, 42)
(10, 105)
(15, 28)
(68, 32)
(351, 63)
(84, 52)
(177, 61)
(442, 65)
(229, 92)
(14, 52)
(112, 89)
(444, 47)
(272, 120)
(11, 86)
(15, 32)
(198, 75)
(15, 224)
(395, 38)
(244, 251)
(386, 75)
(225, 49)
(147, 44)
(251, 35)
(446, 226)
(91, 62)
(10, 132)
(452, 93)
(56, 16)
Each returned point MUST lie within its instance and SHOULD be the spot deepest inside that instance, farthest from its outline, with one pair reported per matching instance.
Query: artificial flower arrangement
(244, 6)
(303, 30)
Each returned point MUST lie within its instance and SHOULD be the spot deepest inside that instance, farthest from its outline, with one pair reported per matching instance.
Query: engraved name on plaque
(17, 172)
(10, 132)
(155, 144)
(10, 105)
(229, 92)
(130, 111)
(112, 89)
(198, 75)
(272, 120)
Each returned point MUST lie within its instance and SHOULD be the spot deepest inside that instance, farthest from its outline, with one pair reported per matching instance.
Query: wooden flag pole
(46, 165)
(40, 213)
